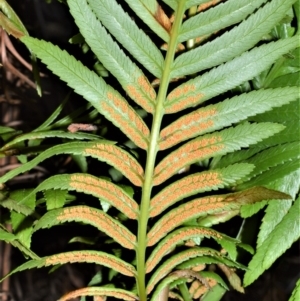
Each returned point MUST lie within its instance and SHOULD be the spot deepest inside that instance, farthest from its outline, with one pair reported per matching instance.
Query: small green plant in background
(219, 89)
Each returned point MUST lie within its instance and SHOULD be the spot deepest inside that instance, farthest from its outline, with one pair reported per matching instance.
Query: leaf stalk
(152, 153)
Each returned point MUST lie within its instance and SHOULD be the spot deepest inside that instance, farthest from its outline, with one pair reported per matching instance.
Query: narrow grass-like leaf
(228, 75)
(217, 18)
(296, 292)
(100, 258)
(225, 113)
(102, 150)
(100, 291)
(49, 134)
(99, 188)
(175, 260)
(53, 116)
(175, 238)
(209, 205)
(196, 183)
(93, 88)
(234, 42)
(125, 30)
(154, 21)
(212, 145)
(91, 216)
(110, 55)
(287, 231)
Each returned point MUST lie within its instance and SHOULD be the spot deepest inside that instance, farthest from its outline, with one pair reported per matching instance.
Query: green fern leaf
(99, 258)
(99, 188)
(190, 3)
(110, 55)
(86, 83)
(221, 16)
(100, 291)
(175, 260)
(154, 20)
(125, 30)
(7, 236)
(287, 231)
(13, 205)
(91, 216)
(276, 211)
(209, 205)
(212, 145)
(274, 156)
(102, 150)
(22, 225)
(177, 237)
(229, 111)
(196, 183)
(271, 175)
(198, 261)
(171, 3)
(227, 76)
(55, 198)
(234, 42)
(296, 293)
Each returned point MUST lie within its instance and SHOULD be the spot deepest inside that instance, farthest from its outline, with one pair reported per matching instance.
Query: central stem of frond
(152, 153)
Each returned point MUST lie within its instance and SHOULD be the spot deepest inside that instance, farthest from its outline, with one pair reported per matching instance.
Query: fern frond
(221, 16)
(97, 257)
(101, 291)
(111, 56)
(175, 238)
(207, 206)
(196, 183)
(274, 156)
(55, 198)
(90, 216)
(225, 113)
(296, 293)
(155, 20)
(7, 236)
(234, 42)
(125, 30)
(86, 83)
(102, 150)
(212, 145)
(99, 188)
(287, 231)
(275, 212)
(227, 76)
(272, 174)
